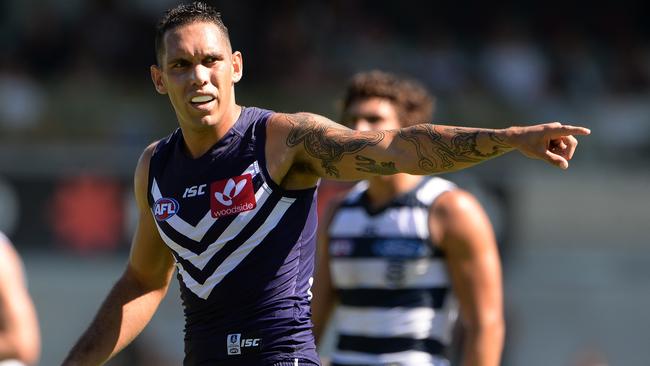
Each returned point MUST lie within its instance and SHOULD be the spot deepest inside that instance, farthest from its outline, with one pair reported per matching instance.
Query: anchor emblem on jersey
(232, 195)
(231, 190)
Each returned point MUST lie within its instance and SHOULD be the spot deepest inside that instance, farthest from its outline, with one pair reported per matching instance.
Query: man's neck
(383, 189)
(199, 141)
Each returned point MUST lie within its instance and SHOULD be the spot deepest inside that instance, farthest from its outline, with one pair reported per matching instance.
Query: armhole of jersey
(429, 202)
(259, 134)
(351, 197)
(150, 175)
(355, 192)
(432, 189)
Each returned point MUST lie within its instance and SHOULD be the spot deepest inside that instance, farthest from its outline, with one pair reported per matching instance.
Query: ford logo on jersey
(165, 208)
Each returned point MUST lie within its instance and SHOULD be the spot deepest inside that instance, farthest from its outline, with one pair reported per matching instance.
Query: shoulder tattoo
(326, 143)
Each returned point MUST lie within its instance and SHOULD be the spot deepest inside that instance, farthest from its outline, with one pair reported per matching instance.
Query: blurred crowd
(77, 105)
(79, 69)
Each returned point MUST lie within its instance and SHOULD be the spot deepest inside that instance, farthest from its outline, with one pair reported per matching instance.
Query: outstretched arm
(19, 333)
(462, 228)
(136, 295)
(318, 146)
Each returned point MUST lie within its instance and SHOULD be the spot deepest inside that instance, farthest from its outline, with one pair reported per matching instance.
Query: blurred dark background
(77, 107)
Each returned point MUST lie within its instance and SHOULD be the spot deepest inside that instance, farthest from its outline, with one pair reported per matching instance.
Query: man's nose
(200, 75)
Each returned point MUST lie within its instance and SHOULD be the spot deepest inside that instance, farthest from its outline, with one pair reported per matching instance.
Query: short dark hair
(185, 14)
(412, 102)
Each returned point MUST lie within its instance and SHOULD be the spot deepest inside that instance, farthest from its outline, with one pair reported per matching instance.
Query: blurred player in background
(228, 199)
(20, 342)
(400, 252)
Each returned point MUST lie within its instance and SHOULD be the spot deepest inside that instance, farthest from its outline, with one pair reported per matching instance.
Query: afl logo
(165, 208)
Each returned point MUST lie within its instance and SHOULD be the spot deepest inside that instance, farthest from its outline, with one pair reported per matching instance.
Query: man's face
(198, 71)
(371, 114)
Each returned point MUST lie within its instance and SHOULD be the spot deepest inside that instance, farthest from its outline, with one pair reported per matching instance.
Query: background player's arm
(19, 333)
(465, 233)
(312, 145)
(136, 295)
(325, 295)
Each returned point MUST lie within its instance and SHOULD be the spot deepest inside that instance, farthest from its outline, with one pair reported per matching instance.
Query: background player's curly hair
(185, 14)
(411, 100)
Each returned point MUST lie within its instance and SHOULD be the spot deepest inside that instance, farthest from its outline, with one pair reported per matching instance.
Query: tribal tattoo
(434, 153)
(327, 143)
(368, 165)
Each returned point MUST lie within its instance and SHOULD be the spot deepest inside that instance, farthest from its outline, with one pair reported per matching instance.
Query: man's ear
(156, 77)
(237, 66)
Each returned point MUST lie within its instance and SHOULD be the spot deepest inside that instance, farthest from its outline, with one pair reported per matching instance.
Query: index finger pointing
(574, 130)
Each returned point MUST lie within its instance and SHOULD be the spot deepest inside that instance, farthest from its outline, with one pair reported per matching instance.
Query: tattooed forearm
(326, 143)
(466, 143)
(411, 135)
(436, 152)
(367, 165)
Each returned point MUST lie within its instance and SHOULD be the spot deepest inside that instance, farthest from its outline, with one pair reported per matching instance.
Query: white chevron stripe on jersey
(353, 273)
(200, 260)
(413, 323)
(204, 290)
(408, 222)
(398, 358)
(197, 232)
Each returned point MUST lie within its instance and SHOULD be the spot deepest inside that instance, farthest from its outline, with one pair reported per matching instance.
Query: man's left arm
(463, 230)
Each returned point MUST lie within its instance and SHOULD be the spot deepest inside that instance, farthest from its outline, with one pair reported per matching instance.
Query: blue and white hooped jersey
(396, 305)
(244, 248)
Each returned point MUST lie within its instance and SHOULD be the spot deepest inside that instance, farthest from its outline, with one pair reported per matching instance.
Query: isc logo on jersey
(194, 191)
(232, 196)
(164, 208)
(235, 343)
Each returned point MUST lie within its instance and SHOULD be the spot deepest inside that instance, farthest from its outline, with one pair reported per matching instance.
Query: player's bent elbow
(148, 279)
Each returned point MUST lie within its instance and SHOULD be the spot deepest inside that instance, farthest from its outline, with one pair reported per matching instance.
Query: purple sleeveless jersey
(244, 248)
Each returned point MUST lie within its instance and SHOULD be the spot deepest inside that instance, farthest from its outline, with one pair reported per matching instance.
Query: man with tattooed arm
(227, 200)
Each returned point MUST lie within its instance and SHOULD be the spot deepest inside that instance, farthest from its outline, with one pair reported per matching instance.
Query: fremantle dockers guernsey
(396, 304)
(244, 248)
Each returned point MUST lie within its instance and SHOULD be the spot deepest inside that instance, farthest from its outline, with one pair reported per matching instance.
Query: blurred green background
(77, 107)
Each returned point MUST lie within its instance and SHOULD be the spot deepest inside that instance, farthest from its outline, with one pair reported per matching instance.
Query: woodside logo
(232, 196)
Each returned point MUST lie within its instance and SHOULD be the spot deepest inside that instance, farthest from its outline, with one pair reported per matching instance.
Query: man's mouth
(201, 99)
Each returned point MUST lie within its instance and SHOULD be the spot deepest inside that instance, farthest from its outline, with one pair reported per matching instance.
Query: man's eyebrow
(215, 54)
(176, 59)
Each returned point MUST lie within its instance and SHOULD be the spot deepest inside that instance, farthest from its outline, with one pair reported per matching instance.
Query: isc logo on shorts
(235, 343)
(164, 208)
(232, 196)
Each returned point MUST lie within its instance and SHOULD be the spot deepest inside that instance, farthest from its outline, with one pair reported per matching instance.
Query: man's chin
(203, 120)
(208, 120)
